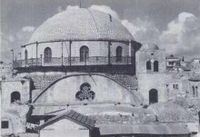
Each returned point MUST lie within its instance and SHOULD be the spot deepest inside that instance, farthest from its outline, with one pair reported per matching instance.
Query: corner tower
(150, 71)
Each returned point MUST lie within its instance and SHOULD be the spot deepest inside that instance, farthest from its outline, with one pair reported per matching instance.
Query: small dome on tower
(150, 46)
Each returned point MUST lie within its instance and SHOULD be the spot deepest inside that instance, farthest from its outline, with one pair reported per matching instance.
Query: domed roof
(150, 46)
(81, 24)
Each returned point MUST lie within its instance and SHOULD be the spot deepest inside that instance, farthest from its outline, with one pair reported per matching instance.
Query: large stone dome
(81, 24)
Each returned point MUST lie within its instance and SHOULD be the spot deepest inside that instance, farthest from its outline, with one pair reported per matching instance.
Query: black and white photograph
(100, 68)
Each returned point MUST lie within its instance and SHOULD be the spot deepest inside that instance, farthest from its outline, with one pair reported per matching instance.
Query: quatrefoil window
(85, 92)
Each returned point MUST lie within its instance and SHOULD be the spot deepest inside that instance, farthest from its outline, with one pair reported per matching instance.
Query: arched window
(26, 56)
(148, 65)
(153, 96)
(193, 91)
(15, 96)
(84, 53)
(119, 54)
(156, 66)
(47, 55)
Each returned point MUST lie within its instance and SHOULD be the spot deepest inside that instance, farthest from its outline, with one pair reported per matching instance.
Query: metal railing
(73, 61)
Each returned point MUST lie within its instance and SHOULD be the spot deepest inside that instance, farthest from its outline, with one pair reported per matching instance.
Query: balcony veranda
(73, 61)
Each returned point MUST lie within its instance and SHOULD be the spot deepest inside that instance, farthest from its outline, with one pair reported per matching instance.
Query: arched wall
(64, 91)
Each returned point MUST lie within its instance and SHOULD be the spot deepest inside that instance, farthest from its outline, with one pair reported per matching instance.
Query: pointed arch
(137, 100)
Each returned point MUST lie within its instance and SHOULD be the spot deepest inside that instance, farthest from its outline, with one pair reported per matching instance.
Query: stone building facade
(86, 62)
(163, 81)
(15, 96)
(151, 73)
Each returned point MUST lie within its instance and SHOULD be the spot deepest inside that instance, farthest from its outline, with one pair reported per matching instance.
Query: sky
(173, 25)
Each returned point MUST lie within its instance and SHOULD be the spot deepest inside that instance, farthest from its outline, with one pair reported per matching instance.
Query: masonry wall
(9, 86)
(41, 80)
(149, 79)
(14, 112)
(157, 81)
(105, 89)
(142, 56)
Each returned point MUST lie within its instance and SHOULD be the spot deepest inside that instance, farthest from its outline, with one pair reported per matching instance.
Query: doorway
(153, 96)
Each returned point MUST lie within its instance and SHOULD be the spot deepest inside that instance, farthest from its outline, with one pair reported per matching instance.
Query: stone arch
(72, 76)
(153, 96)
(122, 91)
